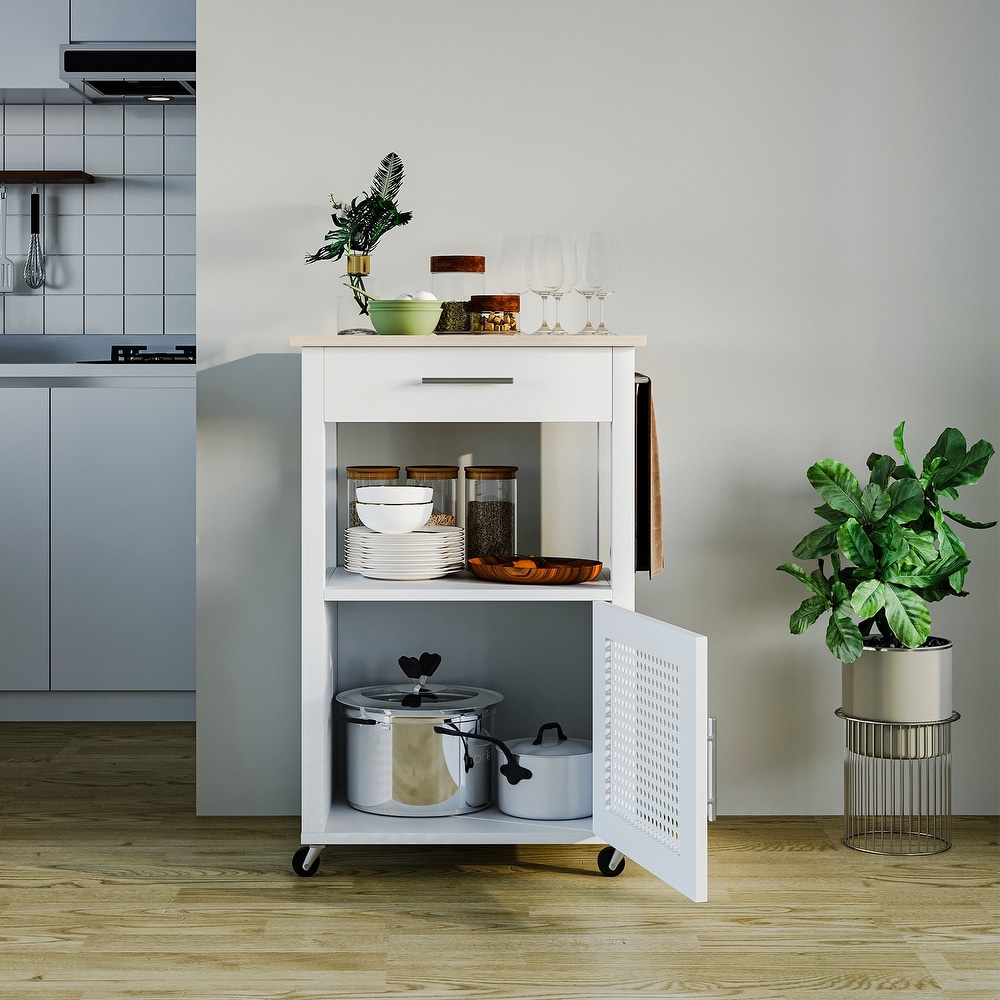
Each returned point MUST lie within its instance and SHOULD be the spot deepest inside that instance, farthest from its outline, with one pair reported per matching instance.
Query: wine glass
(612, 272)
(568, 243)
(511, 273)
(545, 269)
(589, 271)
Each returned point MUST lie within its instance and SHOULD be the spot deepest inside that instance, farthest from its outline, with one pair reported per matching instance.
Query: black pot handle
(512, 770)
(548, 725)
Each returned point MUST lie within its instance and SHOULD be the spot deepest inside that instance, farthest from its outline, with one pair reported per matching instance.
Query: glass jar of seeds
(455, 278)
(491, 510)
(495, 313)
(366, 475)
(443, 480)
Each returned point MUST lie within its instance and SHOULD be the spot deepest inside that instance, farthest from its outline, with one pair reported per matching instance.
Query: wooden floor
(111, 887)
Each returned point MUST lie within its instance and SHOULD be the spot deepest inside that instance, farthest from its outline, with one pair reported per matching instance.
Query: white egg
(425, 296)
(405, 295)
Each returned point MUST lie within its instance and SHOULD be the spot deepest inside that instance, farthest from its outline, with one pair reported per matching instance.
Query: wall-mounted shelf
(45, 177)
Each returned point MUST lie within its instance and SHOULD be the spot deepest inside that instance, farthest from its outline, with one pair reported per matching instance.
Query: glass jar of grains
(495, 313)
(443, 480)
(366, 475)
(491, 510)
(455, 278)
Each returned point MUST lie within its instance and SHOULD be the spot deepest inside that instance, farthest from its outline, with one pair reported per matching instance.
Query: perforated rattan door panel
(651, 745)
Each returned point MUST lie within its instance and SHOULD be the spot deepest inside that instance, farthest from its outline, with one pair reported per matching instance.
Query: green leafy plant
(891, 549)
(359, 225)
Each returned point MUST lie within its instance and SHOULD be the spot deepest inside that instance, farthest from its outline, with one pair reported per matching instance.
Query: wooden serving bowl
(545, 569)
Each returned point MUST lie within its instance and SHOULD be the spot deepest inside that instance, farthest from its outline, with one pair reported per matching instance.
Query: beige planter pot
(899, 685)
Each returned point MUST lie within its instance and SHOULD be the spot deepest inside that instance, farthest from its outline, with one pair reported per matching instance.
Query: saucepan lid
(434, 699)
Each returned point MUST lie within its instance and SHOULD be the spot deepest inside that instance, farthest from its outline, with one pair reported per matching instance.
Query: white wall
(806, 194)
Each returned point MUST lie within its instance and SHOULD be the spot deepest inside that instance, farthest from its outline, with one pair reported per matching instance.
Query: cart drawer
(467, 385)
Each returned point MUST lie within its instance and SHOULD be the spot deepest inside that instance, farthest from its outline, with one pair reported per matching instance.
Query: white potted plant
(891, 551)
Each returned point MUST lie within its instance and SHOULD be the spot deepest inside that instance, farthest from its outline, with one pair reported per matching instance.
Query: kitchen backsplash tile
(119, 253)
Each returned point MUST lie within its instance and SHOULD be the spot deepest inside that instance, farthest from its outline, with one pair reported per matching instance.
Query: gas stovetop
(132, 354)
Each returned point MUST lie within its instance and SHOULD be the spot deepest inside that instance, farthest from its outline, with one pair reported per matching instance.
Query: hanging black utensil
(34, 268)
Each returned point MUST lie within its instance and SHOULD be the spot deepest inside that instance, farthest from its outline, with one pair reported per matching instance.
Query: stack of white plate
(424, 554)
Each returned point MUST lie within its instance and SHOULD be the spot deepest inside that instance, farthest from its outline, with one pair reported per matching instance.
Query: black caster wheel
(604, 859)
(298, 864)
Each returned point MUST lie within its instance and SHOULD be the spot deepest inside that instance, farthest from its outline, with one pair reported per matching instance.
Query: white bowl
(394, 494)
(394, 518)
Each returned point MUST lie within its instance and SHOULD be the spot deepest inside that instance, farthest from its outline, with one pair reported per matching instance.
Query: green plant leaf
(921, 545)
(388, 177)
(949, 448)
(907, 615)
(965, 469)
(826, 512)
(843, 638)
(837, 485)
(882, 467)
(897, 440)
(806, 579)
(806, 614)
(889, 543)
(931, 575)
(856, 544)
(818, 543)
(906, 500)
(868, 599)
(962, 519)
(875, 502)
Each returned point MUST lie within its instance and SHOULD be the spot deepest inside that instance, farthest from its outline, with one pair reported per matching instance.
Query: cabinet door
(29, 45)
(24, 539)
(123, 543)
(132, 21)
(651, 745)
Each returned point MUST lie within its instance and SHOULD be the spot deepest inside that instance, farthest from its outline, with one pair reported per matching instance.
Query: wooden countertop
(470, 340)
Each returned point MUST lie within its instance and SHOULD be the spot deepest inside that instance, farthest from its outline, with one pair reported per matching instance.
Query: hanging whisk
(34, 267)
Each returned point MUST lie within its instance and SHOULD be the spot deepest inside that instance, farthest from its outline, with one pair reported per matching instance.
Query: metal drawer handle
(485, 380)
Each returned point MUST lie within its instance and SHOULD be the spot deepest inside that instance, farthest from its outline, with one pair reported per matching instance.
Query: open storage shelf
(347, 825)
(342, 585)
(45, 177)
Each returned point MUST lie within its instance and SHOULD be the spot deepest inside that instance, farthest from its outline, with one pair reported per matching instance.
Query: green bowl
(404, 317)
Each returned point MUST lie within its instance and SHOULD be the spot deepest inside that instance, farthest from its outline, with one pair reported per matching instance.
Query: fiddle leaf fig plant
(890, 548)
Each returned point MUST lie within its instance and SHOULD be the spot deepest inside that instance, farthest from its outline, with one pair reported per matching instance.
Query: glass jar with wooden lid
(498, 313)
(455, 278)
(443, 480)
(490, 510)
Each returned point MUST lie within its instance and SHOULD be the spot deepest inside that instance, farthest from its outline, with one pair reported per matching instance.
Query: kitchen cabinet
(578, 653)
(24, 538)
(29, 46)
(97, 576)
(132, 20)
(122, 550)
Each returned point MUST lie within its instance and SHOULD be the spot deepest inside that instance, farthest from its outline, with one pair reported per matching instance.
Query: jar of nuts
(495, 313)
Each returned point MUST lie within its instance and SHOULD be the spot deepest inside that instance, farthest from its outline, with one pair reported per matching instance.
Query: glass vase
(355, 287)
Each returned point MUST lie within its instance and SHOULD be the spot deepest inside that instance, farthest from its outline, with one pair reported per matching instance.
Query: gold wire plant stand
(897, 786)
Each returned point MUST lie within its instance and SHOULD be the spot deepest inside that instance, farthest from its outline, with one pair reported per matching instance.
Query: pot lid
(550, 741)
(435, 699)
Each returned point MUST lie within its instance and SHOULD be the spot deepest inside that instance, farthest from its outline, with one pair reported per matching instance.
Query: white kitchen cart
(645, 684)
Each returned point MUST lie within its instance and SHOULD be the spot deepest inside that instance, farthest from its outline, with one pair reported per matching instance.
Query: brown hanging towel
(648, 498)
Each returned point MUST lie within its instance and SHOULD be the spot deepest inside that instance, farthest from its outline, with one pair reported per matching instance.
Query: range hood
(119, 73)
